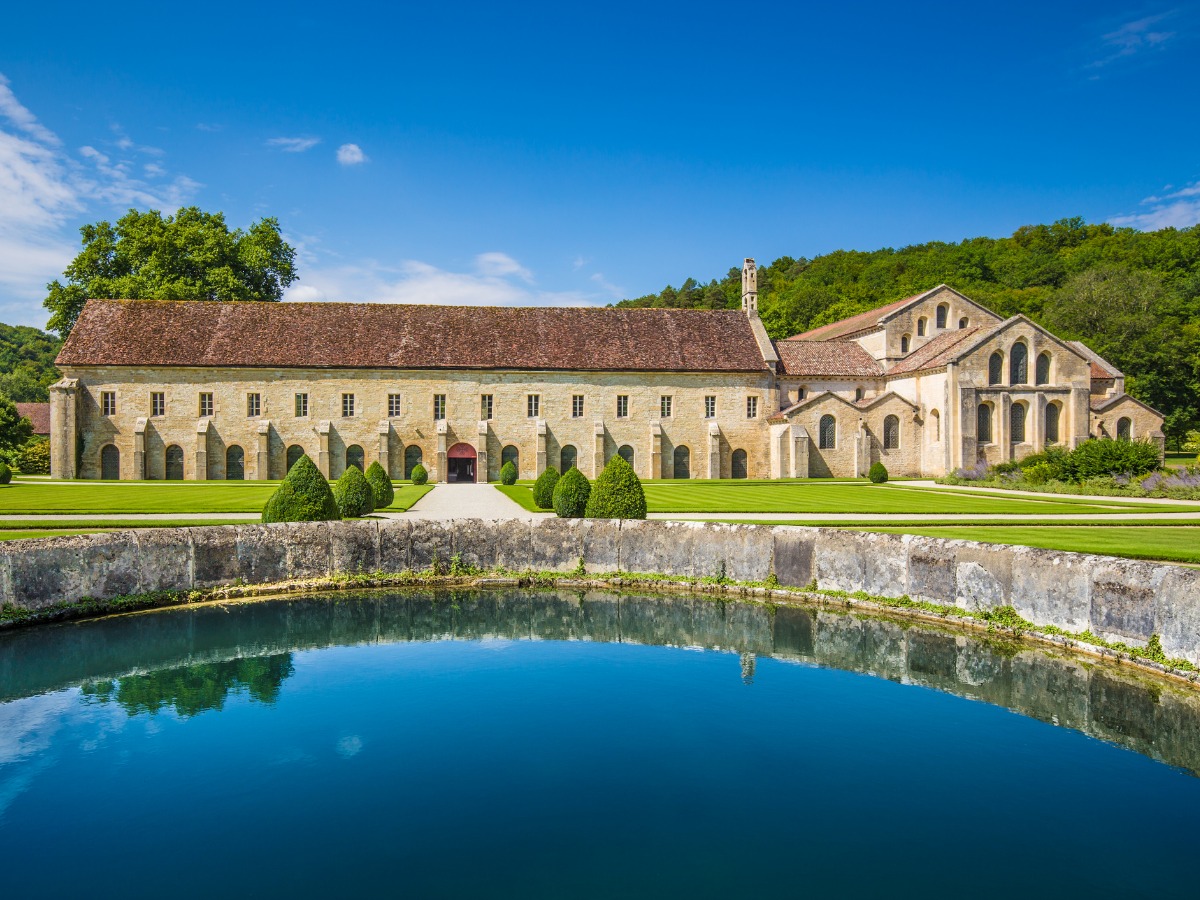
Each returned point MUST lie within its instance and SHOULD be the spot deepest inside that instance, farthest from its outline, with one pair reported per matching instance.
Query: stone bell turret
(750, 288)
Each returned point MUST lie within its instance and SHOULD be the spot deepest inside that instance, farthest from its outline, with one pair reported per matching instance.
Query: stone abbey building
(199, 390)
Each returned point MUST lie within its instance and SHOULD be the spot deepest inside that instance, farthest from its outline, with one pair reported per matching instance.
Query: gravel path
(465, 501)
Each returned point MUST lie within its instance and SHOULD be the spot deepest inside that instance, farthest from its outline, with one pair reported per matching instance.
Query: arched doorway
(626, 453)
(354, 457)
(567, 459)
(174, 463)
(460, 464)
(737, 464)
(683, 463)
(510, 454)
(412, 459)
(294, 453)
(235, 464)
(110, 463)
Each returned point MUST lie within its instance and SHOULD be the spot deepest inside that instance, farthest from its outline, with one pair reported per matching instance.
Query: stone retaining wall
(1117, 599)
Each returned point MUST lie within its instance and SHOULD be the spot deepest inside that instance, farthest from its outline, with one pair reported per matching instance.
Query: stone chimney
(750, 288)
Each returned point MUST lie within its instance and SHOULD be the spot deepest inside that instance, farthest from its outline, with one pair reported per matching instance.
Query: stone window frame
(666, 403)
(710, 406)
(439, 407)
(533, 406)
(622, 406)
(937, 425)
(752, 407)
(824, 443)
(205, 404)
(1040, 376)
(1053, 413)
(964, 322)
(1018, 413)
(348, 406)
(941, 315)
(108, 403)
(905, 343)
(989, 408)
(301, 405)
(996, 368)
(158, 403)
(1127, 429)
(921, 326)
(577, 405)
(1018, 366)
(891, 432)
(395, 406)
(487, 407)
(253, 405)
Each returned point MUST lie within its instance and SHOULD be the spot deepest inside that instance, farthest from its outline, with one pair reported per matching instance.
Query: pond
(547, 744)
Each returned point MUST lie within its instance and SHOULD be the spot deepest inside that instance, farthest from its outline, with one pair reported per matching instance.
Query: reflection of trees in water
(193, 689)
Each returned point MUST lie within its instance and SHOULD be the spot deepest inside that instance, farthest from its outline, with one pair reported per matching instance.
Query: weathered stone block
(1123, 598)
(309, 549)
(63, 570)
(744, 549)
(839, 564)
(354, 547)
(665, 548)
(555, 545)
(215, 556)
(393, 545)
(600, 544)
(884, 563)
(793, 550)
(513, 546)
(1049, 587)
(262, 553)
(1177, 613)
(164, 559)
(983, 575)
(430, 543)
(475, 541)
(932, 570)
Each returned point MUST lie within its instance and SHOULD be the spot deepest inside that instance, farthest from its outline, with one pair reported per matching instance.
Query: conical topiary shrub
(543, 488)
(508, 473)
(353, 494)
(304, 496)
(617, 493)
(381, 485)
(878, 473)
(419, 475)
(571, 494)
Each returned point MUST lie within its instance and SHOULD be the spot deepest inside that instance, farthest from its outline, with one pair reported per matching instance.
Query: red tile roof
(936, 353)
(1099, 372)
(38, 414)
(862, 322)
(819, 359)
(367, 335)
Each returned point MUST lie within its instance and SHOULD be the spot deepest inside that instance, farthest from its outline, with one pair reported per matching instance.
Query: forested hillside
(27, 363)
(1132, 296)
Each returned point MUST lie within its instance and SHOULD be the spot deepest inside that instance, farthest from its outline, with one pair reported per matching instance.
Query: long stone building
(199, 390)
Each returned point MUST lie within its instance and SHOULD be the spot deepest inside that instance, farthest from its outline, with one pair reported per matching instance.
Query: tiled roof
(861, 322)
(936, 353)
(366, 335)
(1099, 372)
(38, 414)
(815, 359)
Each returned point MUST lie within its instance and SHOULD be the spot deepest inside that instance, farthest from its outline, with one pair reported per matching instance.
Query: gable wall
(906, 322)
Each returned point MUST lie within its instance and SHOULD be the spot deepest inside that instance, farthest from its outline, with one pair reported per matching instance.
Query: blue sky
(565, 154)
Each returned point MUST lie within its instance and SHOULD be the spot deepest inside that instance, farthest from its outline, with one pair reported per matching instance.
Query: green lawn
(818, 497)
(1177, 460)
(118, 497)
(522, 494)
(21, 534)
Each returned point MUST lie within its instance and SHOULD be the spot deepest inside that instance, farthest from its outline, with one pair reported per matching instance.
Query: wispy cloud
(1133, 38)
(495, 264)
(351, 155)
(12, 109)
(1174, 209)
(615, 291)
(293, 144)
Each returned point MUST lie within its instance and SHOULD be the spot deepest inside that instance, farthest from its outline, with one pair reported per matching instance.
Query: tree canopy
(27, 363)
(191, 255)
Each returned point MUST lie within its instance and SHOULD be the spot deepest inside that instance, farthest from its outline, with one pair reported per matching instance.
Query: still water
(541, 744)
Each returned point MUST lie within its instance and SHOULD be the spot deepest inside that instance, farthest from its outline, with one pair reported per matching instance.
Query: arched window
(942, 311)
(235, 464)
(1052, 413)
(510, 454)
(904, 341)
(354, 457)
(995, 367)
(828, 433)
(983, 425)
(566, 458)
(858, 393)
(683, 462)
(626, 453)
(294, 453)
(1017, 422)
(174, 463)
(964, 322)
(1041, 374)
(1124, 429)
(1018, 364)
(935, 421)
(802, 392)
(891, 433)
(412, 459)
(737, 464)
(110, 463)
(921, 327)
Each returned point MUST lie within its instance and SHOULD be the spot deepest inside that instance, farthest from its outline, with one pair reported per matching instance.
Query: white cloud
(351, 155)
(501, 264)
(293, 144)
(13, 110)
(1133, 38)
(617, 292)
(1178, 209)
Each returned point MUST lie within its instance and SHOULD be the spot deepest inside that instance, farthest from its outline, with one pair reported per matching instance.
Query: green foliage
(543, 488)
(5, 473)
(1132, 296)
(34, 457)
(191, 255)
(381, 485)
(304, 496)
(353, 494)
(1105, 456)
(1191, 442)
(571, 493)
(1038, 474)
(617, 493)
(14, 430)
(878, 473)
(508, 473)
(419, 475)
(27, 363)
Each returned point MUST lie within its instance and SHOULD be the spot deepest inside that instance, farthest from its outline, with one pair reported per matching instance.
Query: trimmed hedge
(353, 494)
(508, 473)
(878, 473)
(304, 496)
(419, 475)
(617, 493)
(543, 488)
(571, 494)
(381, 485)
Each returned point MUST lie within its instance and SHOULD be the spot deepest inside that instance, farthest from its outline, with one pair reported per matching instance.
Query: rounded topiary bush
(617, 493)
(353, 494)
(304, 496)
(878, 473)
(571, 495)
(381, 485)
(508, 473)
(5, 473)
(543, 488)
(418, 474)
